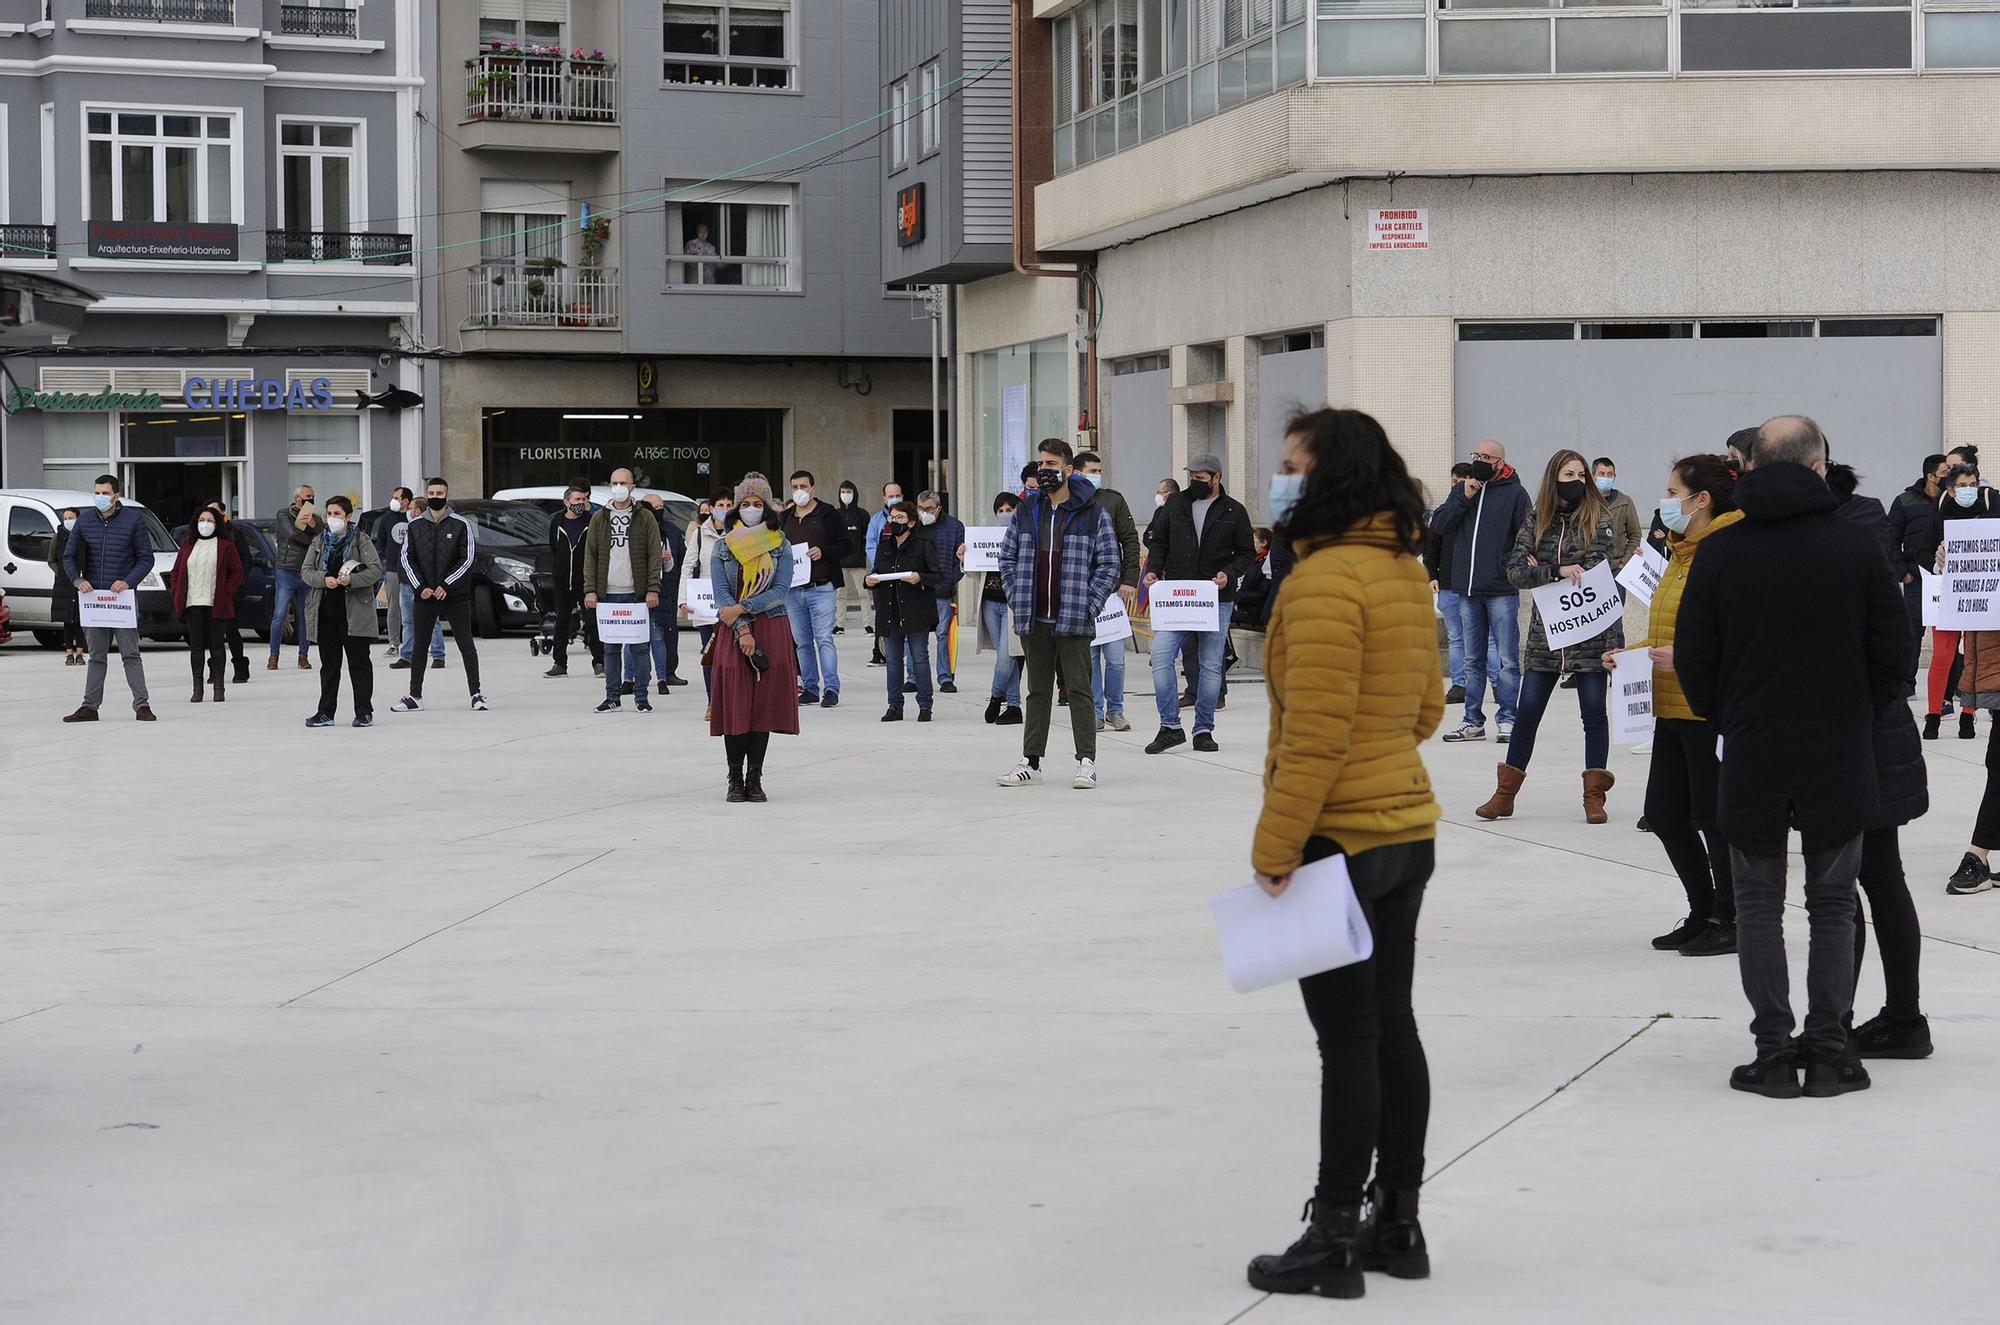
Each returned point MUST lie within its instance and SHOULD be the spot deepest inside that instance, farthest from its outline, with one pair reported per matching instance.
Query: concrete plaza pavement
(506, 1017)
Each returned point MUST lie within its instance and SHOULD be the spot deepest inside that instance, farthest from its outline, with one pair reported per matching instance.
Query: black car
(511, 569)
(254, 599)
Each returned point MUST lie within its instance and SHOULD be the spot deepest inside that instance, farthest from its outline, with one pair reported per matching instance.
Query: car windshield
(508, 524)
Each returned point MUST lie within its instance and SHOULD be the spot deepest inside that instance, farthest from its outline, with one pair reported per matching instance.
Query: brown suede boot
(1596, 781)
(1502, 804)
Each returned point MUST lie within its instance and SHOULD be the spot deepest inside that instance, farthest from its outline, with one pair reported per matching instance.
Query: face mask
(1965, 497)
(1004, 513)
(898, 528)
(721, 515)
(579, 507)
(335, 525)
(1673, 515)
(1286, 489)
(206, 529)
(927, 517)
(892, 499)
(437, 503)
(800, 496)
(1159, 499)
(1048, 480)
(70, 523)
(1200, 489)
(620, 492)
(1606, 485)
(395, 503)
(1483, 470)
(753, 515)
(102, 501)
(847, 499)
(1569, 492)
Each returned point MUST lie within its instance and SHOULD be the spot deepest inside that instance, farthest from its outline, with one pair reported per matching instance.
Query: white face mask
(847, 499)
(620, 492)
(395, 503)
(800, 496)
(892, 499)
(927, 517)
(335, 525)
(1159, 499)
(753, 515)
(206, 528)
(70, 523)
(721, 515)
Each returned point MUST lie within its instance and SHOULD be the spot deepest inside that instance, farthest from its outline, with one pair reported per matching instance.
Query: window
(520, 239)
(29, 534)
(1139, 363)
(745, 44)
(929, 112)
(523, 22)
(732, 235)
(161, 165)
(1287, 342)
(323, 448)
(899, 124)
(319, 177)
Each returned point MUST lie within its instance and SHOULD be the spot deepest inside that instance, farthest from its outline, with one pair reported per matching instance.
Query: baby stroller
(544, 639)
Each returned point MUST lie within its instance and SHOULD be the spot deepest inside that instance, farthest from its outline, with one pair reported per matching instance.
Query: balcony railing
(510, 296)
(372, 247)
(163, 11)
(547, 86)
(23, 243)
(317, 21)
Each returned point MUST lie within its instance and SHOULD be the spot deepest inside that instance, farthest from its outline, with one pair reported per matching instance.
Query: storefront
(690, 451)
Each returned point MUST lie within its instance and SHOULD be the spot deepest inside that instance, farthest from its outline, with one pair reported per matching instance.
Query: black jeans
(205, 641)
(334, 644)
(1760, 946)
(458, 613)
(1375, 1084)
(1536, 688)
(1680, 809)
(1986, 828)
(1896, 930)
(569, 606)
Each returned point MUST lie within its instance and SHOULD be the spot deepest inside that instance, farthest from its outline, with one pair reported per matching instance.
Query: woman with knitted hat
(756, 671)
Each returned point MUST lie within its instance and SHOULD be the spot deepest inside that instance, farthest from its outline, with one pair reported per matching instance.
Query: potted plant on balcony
(540, 286)
(499, 279)
(589, 85)
(591, 271)
(492, 95)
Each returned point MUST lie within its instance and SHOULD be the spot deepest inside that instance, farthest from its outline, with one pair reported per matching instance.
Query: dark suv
(511, 569)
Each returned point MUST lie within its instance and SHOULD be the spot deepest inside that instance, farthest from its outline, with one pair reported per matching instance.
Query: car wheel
(485, 615)
(49, 639)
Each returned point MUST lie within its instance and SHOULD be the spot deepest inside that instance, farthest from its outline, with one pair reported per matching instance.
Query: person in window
(702, 273)
(63, 610)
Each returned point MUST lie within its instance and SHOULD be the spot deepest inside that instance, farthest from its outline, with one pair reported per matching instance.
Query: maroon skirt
(741, 701)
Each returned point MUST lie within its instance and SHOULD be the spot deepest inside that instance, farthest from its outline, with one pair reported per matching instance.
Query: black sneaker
(320, 720)
(609, 706)
(1681, 933)
(1643, 826)
(675, 679)
(625, 687)
(558, 670)
(893, 715)
(1011, 716)
(363, 720)
(923, 715)
(948, 688)
(1828, 1075)
(830, 700)
(909, 687)
(1168, 738)
(1717, 940)
(1882, 1037)
(1965, 725)
(1931, 721)
(808, 697)
(1974, 876)
(1455, 695)
(1205, 742)
(643, 704)
(1322, 1261)
(663, 687)
(1775, 1078)
(993, 707)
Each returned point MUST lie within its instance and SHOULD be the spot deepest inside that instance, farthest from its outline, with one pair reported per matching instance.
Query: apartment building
(237, 181)
(1628, 229)
(659, 246)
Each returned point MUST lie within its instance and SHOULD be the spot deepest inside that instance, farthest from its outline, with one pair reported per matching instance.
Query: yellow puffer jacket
(1351, 661)
(1668, 701)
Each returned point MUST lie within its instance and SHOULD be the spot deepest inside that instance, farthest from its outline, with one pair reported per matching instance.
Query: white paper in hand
(1315, 925)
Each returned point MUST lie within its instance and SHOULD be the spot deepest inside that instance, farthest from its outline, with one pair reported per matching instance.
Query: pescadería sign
(23, 398)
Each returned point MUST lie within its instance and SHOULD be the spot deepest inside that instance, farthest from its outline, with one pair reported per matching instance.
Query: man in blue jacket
(1483, 515)
(949, 533)
(110, 550)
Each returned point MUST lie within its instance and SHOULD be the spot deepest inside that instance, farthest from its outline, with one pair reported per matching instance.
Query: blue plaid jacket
(1089, 560)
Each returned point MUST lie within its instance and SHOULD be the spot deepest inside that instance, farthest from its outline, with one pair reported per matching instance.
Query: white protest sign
(624, 623)
(1641, 576)
(982, 547)
(1184, 605)
(1573, 613)
(1971, 598)
(1933, 595)
(1632, 697)
(1315, 925)
(1113, 623)
(701, 602)
(100, 609)
(802, 567)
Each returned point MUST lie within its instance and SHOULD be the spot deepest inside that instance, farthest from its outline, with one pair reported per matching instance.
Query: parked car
(31, 516)
(680, 507)
(512, 574)
(254, 599)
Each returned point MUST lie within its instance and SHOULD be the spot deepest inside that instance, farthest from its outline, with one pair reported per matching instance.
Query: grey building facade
(237, 180)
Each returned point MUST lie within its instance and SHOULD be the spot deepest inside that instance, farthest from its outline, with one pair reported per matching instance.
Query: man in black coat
(1792, 637)
(1916, 531)
(1202, 533)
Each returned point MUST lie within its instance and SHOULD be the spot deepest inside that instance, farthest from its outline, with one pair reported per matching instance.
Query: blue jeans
(1209, 646)
(289, 595)
(408, 643)
(1496, 622)
(919, 649)
(1107, 678)
(999, 628)
(812, 612)
(666, 638)
(615, 656)
(1454, 637)
(1536, 687)
(947, 623)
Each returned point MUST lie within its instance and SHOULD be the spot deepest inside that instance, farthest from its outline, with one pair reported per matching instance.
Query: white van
(30, 517)
(680, 507)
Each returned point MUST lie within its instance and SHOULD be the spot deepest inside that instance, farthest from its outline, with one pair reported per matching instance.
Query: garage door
(1648, 394)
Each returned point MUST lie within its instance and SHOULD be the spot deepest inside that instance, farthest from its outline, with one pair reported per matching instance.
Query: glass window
(1366, 48)
(1872, 326)
(745, 44)
(1020, 394)
(160, 167)
(1610, 45)
(1292, 55)
(1177, 35)
(1152, 41)
(899, 124)
(1962, 41)
(717, 238)
(1500, 46)
(323, 448)
(30, 535)
(317, 178)
(1782, 39)
(1128, 46)
(1517, 331)
(1086, 60)
(1065, 69)
(931, 110)
(180, 436)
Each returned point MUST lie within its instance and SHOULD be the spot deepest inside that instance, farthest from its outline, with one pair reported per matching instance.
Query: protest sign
(1641, 576)
(1632, 697)
(1184, 605)
(982, 547)
(1574, 613)
(100, 609)
(624, 623)
(1971, 595)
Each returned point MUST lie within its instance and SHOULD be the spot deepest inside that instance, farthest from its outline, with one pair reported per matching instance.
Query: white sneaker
(479, 703)
(1086, 775)
(1505, 730)
(407, 704)
(1466, 733)
(1023, 774)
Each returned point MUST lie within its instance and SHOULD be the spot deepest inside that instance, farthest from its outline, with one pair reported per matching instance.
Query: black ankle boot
(1931, 721)
(736, 794)
(993, 707)
(1965, 725)
(753, 787)
(1391, 1239)
(1322, 1261)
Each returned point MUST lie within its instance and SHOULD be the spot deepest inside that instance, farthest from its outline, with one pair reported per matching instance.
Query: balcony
(163, 11)
(537, 99)
(27, 244)
(372, 248)
(317, 21)
(543, 298)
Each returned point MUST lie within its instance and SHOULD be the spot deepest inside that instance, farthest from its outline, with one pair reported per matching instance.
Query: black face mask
(579, 509)
(1048, 480)
(437, 503)
(898, 529)
(1569, 493)
(1484, 470)
(1200, 489)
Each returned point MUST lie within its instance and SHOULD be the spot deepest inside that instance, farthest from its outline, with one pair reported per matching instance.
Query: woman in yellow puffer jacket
(1681, 785)
(1351, 661)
